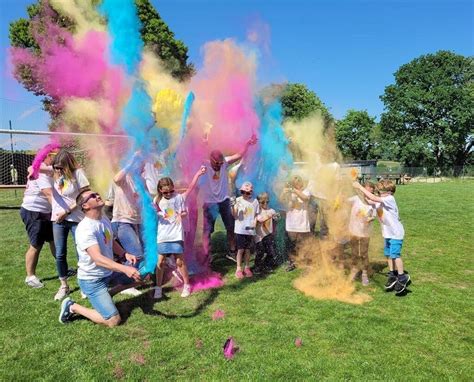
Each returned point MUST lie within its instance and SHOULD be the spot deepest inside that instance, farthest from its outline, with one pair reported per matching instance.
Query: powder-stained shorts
(38, 226)
(393, 248)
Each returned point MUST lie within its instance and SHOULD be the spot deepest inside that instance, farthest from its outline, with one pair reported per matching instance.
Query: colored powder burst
(41, 156)
(273, 156)
(125, 50)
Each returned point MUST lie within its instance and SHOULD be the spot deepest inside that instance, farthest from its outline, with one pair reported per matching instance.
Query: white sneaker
(131, 292)
(158, 293)
(34, 282)
(186, 290)
(62, 292)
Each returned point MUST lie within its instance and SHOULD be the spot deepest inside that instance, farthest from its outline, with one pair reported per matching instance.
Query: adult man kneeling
(97, 270)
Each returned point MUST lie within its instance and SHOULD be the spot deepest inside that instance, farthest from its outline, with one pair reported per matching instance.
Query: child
(297, 216)
(171, 209)
(244, 210)
(392, 231)
(265, 239)
(362, 214)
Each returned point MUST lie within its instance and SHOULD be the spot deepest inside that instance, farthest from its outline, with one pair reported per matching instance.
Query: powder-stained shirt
(214, 185)
(246, 213)
(91, 232)
(264, 228)
(361, 216)
(170, 225)
(126, 204)
(297, 217)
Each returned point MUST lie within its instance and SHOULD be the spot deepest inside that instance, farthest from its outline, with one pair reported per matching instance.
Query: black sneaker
(391, 281)
(65, 313)
(401, 284)
(232, 256)
(290, 267)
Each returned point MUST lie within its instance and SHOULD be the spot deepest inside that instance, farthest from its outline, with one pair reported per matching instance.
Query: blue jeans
(129, 237)
(60, 234)
(97, 291)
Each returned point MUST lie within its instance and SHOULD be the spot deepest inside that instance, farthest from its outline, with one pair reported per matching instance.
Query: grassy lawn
(425, 335)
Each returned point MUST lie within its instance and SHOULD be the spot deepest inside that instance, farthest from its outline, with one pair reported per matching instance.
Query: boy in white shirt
(244, 211)
(392, 231)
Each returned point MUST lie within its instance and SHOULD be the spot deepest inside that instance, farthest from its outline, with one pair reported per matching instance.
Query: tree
(155, 34)
(429, 113)
(299, 102)
(355, 135)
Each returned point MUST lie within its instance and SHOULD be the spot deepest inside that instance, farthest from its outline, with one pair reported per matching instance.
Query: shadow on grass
(146, 303)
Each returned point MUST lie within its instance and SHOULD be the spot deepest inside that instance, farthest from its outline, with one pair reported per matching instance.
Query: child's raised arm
(200, 172)
(369, 195)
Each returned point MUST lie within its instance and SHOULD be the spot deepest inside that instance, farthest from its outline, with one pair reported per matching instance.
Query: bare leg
(160, 268)
(247, 258)
(390, 264)
(240, 253)
(399, 265)
(31, 260)
(181, 265)
(95, 316)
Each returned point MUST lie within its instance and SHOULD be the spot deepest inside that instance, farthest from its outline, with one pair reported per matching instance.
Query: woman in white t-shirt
(171, 211)
(297, 222)
(36, 214)
(69, 181)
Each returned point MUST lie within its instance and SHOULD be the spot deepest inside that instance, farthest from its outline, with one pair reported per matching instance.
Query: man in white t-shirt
(214, 188)
(97, 270)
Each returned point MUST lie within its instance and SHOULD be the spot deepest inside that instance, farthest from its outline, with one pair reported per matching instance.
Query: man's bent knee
(113, 321)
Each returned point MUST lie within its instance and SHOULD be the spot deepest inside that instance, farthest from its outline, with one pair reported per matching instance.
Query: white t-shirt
(170, 225)
(264, 228)
(297, 218)
(246, 213)
(361, 213)
(34, 199)
(126, 208)
(214, 185)
(91, 232)
(65, 192)
(152, 172)
(392, 228)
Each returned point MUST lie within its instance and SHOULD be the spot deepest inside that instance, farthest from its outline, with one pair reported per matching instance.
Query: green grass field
(425, 335)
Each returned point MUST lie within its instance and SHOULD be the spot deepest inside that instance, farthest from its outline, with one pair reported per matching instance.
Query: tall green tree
(299, 102)
(355, 135)
(429, 115)
(155, 34)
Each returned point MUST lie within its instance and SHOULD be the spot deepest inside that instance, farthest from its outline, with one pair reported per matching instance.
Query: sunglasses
(218, 163)
(58, 168)
(246, 192)
(167, 192)
(94, 195)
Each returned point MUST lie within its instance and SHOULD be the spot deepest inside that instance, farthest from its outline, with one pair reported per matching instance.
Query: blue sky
(346, 51)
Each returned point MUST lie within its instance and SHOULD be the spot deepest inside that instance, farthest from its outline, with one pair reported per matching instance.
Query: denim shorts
(97, 291)
(393, 248)
(171, 247)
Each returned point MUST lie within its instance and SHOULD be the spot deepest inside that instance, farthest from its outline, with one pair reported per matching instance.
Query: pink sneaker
(248, 272)
(239, 275)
